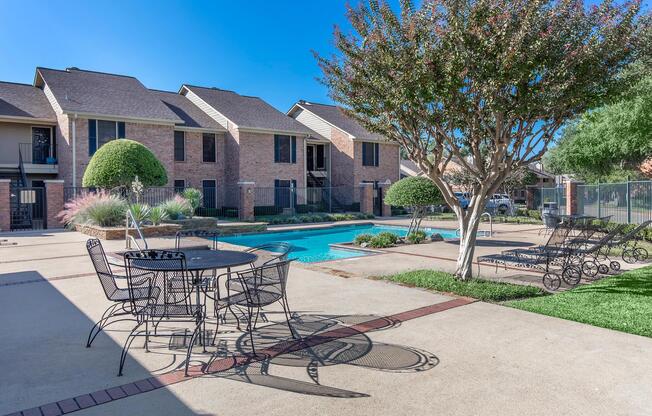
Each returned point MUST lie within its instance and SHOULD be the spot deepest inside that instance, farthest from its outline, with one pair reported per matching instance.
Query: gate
(27, 206)
(378, 200)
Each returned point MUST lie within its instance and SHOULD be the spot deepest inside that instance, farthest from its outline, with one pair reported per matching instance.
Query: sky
(254, 47)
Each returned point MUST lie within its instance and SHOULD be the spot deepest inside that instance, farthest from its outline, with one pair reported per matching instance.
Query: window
(208, 147)
(103, 131)
(209, 187)
(179, 185)
(285, 149)
(179, 146)
(370, 154)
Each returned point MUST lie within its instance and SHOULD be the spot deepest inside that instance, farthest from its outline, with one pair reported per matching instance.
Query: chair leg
(147, 335)
(193, 338)
(99, 325)
(126, 346)
(250, 313)
(286, 311)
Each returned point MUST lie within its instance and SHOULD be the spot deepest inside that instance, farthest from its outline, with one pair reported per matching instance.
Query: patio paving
(375, 348)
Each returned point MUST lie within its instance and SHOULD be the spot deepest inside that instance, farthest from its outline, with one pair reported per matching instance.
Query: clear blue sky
(254, 47)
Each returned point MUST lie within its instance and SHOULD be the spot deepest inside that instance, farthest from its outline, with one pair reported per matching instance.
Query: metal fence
(626, 202)
(293, 200)
(544, 196)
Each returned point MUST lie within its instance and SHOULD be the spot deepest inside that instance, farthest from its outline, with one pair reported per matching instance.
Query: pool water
(310, 246)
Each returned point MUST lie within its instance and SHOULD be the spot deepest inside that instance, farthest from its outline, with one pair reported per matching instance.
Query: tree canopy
(119, 162)
(475, 78)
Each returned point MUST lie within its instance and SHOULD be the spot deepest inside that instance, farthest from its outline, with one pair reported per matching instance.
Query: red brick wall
(5, 210)
(194, 170)
(388, 166)
(54, 202)
(342, 159)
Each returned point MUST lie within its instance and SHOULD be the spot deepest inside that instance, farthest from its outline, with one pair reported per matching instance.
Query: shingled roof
(335, 115)
(191, 115)
(98, 93)
(24, 101)
(248, 112)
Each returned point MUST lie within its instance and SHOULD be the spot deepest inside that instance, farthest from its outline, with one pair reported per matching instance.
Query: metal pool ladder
(489, 233)
(130, 241)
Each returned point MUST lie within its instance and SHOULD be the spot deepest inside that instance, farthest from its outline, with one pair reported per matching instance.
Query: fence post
(247, 200)
(53, 202)
(5, 205)
(571, 198)
(629, 202)
(599, 201)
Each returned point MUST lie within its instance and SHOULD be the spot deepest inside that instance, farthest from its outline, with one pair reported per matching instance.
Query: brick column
(572, 207)
(54, 202)
(5, 208)
(247, 200)
(367, 198)
(386, 209)
(529, 197)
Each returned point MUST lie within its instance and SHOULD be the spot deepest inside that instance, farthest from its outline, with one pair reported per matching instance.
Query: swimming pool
(312, 245)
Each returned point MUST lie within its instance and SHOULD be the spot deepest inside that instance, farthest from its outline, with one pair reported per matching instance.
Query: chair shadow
(325, 340)
(494, 243)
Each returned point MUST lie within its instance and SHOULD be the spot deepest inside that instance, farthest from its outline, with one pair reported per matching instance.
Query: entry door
(41, 143)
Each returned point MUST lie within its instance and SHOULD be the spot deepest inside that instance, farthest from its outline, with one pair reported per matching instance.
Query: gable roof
(335, 116)
(18, 101)
(246, 112)
(102, 94)
(191, 115)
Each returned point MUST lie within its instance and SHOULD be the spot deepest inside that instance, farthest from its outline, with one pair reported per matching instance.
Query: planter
(118, 233)
(196, 223)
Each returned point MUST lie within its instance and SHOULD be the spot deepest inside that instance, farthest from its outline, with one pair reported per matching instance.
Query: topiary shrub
(416, 193)
(119, 162)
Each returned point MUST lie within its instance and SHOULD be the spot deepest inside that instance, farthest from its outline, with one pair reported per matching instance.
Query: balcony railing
(39, 154)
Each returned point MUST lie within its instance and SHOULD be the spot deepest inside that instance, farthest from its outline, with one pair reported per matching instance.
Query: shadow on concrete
(44, 358)
(495, 243)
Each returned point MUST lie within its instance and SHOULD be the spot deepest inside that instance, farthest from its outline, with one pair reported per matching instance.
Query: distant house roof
(191, 115)
(409, 168)
(101, 94)
(18, 101)
(335, 116)
(247, 112)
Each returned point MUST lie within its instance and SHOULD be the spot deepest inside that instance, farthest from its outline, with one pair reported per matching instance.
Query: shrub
(97, 208)
(383, 240)
(386, 235)
(119, 162)
(140, 212)
(534, 213)
(362, 238)
(177, 208)
(157, 215)
(416, 237)
(193, 196)
(416, 193)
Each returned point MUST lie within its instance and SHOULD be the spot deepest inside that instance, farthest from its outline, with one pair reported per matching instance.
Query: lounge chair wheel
(572, 275)
(629, 256)
(640, 254)
(551, 281)
(603, 269)
(614, 265)
(590, 268)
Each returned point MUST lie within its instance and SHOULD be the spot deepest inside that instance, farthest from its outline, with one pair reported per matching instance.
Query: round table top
(199, 260)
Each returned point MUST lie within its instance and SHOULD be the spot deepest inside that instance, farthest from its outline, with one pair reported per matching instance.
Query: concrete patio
(375, 348)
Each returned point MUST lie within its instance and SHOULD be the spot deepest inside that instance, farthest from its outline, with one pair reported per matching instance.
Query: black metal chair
(169, 296)
(188, 239)
(262, 286)
(120, 298)
(269, 253)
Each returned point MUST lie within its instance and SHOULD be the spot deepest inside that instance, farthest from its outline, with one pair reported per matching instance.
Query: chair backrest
(188, 238)
(633, 232)
(102, 267)
(168, 284)
(606, 239)
(558, 236)
(265, 284)
(270, 253)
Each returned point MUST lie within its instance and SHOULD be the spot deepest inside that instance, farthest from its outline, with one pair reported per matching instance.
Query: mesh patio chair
(119, 297)
(194, 239)
(263, 286)
(169, 297)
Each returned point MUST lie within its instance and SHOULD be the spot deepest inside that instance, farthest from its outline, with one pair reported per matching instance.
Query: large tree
(467, 79)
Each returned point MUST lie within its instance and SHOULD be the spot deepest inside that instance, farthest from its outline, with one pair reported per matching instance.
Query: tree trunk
(469, 222)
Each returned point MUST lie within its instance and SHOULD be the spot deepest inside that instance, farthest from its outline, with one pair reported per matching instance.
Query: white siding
(53, 102)
(206, 108)
(313, 122)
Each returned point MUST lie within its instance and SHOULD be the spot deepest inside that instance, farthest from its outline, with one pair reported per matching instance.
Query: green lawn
(479, 289)
(623, 303)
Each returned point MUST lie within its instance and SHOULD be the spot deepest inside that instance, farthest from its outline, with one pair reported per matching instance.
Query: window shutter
(92, 137)
(54, 142)
(377, 153)
(364, 154)
(294, 149)
(121, 130)
(277, 151)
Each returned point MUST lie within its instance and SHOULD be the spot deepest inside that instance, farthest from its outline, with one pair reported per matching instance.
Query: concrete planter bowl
(118, 233)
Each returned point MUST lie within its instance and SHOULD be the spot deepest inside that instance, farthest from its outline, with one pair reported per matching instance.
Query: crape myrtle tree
(452, 78)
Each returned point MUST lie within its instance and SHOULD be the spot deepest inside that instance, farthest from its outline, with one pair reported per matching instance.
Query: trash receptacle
(550, 214)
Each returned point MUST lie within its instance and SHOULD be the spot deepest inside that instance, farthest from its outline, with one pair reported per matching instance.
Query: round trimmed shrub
(118, 162)
(413, 191)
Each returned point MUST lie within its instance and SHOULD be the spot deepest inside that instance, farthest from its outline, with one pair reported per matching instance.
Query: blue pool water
(310, 246)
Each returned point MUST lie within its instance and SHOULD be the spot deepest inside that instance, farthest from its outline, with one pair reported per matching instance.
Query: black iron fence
(293, 200)
(27, 208)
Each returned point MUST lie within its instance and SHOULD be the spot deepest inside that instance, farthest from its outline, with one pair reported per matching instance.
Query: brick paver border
(110, 394)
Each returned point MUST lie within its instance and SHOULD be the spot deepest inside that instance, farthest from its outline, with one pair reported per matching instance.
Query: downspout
(74, 151)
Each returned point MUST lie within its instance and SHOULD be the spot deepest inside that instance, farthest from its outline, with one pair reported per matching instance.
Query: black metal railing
(38, 154)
